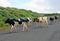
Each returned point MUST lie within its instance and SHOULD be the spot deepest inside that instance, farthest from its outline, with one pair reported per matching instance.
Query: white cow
(43, 20)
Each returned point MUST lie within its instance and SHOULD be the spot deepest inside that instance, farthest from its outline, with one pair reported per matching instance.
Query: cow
(56, 18)
(53, 19)
(42, 20)
(16, 22)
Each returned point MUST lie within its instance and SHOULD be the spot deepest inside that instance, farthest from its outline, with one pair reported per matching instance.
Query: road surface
(52, 33)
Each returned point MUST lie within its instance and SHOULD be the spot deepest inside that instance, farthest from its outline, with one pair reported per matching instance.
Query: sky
(41, 6)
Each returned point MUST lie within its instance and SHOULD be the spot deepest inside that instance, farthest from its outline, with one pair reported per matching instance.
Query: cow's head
(34, 19)
(7, 20)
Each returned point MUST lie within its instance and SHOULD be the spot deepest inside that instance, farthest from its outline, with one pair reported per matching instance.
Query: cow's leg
(51, 21)
(11, 29)
(29, 23)
(15, 27)
(23, 27)
(27, 29)
(41, 23)
(47, 24)
(37, 24)
(56, 20)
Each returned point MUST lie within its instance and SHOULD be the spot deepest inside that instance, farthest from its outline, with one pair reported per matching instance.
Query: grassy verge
(4, 28)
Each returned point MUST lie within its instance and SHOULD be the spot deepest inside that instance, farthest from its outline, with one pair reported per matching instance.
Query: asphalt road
(52, 33)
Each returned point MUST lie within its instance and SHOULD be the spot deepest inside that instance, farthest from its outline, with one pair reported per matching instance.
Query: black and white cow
(53, 19)
(15, 22)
